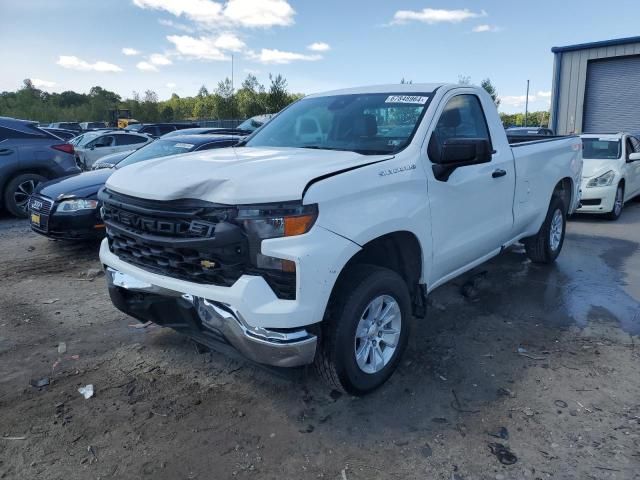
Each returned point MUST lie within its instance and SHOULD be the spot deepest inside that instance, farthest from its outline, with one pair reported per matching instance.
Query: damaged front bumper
(209, 322)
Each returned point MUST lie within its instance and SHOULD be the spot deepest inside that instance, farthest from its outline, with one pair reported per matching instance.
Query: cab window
(462, 117)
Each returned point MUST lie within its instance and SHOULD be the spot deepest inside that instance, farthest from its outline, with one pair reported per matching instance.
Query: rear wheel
(545, 246)
(618, 203)
(18, 191)
(366, 330)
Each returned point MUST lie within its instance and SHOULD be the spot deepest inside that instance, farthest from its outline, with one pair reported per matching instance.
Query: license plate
(35, 219)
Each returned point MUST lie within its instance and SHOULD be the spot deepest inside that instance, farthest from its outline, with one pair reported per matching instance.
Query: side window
(106, 141)
(129, 139)
(462, 117)
(166, 129)
(635, 144)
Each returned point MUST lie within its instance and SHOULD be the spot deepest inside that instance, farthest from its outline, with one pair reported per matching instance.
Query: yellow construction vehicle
(121, 118)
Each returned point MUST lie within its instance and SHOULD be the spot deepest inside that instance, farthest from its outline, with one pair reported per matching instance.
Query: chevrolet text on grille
(194, 227)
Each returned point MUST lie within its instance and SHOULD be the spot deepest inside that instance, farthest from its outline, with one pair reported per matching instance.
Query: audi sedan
(68, 208)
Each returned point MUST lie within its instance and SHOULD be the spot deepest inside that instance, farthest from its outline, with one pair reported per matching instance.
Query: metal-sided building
(596, 87)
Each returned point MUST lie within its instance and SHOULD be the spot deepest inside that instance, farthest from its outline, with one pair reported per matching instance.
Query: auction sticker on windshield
(413, 99)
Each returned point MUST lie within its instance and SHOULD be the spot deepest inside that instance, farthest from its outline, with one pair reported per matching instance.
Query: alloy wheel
(377, 334)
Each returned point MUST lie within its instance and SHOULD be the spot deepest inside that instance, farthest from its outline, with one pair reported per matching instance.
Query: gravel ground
(541, 360)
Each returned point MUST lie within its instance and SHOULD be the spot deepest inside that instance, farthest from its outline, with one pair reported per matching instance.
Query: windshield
(250, 125)
(157, 149)
(134, 127)
(601, 148)
(367, 123)
(82, 140)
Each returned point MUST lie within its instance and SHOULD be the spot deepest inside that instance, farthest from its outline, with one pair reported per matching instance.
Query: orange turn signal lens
(298, 225)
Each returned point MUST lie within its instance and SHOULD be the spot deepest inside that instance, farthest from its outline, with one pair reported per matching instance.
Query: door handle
(499, 173)
(5, 151)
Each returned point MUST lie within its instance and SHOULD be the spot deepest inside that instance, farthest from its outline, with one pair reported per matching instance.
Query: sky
(317, 45)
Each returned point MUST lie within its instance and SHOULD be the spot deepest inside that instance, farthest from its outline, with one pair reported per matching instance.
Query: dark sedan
(68, 208)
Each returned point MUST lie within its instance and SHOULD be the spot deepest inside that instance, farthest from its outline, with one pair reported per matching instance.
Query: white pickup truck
(319, 237)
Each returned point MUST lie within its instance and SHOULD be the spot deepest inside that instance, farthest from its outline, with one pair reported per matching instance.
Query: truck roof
(391, 87)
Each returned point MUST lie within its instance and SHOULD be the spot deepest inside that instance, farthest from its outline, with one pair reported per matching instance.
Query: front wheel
(366, 330)
(618, 203)
(18, 191)
(545, 246)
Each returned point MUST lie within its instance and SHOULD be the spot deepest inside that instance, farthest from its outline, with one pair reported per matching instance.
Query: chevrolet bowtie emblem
(207, 264)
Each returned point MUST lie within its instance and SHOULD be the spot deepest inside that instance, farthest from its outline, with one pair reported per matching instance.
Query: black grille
(220, 266)
(40, 205)
(591, 202)
(189, 240)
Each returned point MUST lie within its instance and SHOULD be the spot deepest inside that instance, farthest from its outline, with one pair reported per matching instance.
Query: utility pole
(526, 105)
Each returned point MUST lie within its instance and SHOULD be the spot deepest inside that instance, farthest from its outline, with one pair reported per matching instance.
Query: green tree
(491, 90)
(278, 97)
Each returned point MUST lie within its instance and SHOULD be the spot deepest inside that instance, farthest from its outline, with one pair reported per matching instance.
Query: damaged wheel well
(397, 251)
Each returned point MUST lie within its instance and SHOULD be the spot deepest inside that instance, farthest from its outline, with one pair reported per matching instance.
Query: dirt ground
(545, 356)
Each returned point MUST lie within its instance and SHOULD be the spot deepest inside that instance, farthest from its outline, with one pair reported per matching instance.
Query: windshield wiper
(320, 147)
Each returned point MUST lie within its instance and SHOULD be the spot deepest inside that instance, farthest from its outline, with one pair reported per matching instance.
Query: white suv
(611, 173)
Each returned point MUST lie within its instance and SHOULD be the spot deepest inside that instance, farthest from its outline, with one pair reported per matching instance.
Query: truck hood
(234, 176)
(593, 167)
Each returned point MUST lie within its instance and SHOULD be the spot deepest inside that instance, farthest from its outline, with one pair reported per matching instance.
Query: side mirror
(459, 152)
(465, 151)
(634, 157)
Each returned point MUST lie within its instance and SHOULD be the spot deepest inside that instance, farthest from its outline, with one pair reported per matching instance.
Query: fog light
(273, 263)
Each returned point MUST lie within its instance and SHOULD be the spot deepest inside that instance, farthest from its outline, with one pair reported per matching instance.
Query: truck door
(472, 209)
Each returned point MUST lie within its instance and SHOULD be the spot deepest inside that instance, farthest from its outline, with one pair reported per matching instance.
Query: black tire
(539, 248)
(615, 213)
(336, 357)
(17, 191)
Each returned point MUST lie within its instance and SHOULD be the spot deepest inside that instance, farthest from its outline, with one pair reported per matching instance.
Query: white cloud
(259, 13)
(243, 13)
(278, 57)
(39, 83)
(75, 63)
(516, 100)
(160, 60)
(177, 26)
(202, 11)
(434, 15)
(146, 67)
(170, 85)
(228, 41)
(319, 47)
(130, 52)
(544, 94)
(206, 48)
(484, 28)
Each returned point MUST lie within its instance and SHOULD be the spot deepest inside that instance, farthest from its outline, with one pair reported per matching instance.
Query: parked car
(75, 126)
(65, 135)
(156, 130)
(87, 126)
(68, 208)
(92, 146)
(611, 173)
(28, 156)
(245, 128)
(200, 142)
(109, 161)
(300, 247)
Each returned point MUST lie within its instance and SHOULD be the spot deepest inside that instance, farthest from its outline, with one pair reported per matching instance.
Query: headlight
(261, 222)
(77, 204)
(603, 180)
(281, 220)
